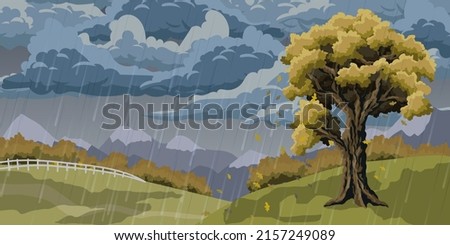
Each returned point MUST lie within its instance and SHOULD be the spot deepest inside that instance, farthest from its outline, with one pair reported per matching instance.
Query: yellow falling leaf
(256, 185)
(268, 92)
(257, 137)
(366, 142)
(267, 206)
(382, 168)
(229, 176)
(259, 175)
(376, 177)
(331, 143)
(392, 103)
(219, 191)
(279, 78)
(404, 122)
(314, 97)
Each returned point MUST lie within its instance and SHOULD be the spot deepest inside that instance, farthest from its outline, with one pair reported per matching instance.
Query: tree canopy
(360, 65)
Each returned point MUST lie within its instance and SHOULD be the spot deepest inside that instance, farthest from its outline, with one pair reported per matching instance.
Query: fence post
(85, 169)
(57, 167)
(37, 164)
(103, 171)
(48, 163)
(67, 167)
(17, 164)
(9, 167)
(28, 164)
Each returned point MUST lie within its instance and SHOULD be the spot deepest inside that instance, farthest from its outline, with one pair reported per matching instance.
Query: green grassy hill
(73, 197)
(416, 189)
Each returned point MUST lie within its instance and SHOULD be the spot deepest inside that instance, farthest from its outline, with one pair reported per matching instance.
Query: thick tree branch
(319, 89)
(372, 101)
(331, 136)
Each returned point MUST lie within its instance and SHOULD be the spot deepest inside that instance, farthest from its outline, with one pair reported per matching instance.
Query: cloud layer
(168, 47)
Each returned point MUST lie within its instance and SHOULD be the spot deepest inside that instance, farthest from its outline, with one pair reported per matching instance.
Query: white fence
(38, 163)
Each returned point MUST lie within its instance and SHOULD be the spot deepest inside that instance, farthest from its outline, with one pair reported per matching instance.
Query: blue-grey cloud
(432, 34)
(98, 34)
(129, 52)
(219, 63)
(20, 20)
(219, 69)
(172, 20)
(165, 19)
(69, 71)
(101, 4)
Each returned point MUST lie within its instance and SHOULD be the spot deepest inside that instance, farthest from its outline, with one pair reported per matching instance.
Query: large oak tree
(363, 67)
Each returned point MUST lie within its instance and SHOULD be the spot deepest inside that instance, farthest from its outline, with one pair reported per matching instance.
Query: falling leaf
(266, 206)
(268, 92)
(278, 97)
(256, 185)
(314, 97)
(382, 168)
(331, 143)
(403, 122)
(376, 177)
(259, 175)
(392, 103)
(219, 191)
(385, 116)
(228, 176)
(279, 78)
(257, 137)
(282, 150)
(366, 142)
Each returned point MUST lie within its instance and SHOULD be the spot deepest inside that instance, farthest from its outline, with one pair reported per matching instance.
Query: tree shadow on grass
(419, 197)
(25, 193)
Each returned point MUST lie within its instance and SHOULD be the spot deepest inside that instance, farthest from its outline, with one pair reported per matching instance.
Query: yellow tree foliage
(362, 66)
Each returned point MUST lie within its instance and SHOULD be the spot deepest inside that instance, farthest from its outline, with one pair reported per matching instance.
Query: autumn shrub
(274, 170)
(168, 177)
(277, 170)
(17, 147)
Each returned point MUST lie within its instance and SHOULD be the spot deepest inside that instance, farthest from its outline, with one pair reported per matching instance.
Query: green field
(416, 190)
(73, 197)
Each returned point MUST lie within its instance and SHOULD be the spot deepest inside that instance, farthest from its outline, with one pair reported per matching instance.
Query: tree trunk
(354, 183)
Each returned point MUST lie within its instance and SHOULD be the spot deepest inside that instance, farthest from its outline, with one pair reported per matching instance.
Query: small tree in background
(364, 68)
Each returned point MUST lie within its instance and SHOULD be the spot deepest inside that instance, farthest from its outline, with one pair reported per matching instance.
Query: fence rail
(59, 165)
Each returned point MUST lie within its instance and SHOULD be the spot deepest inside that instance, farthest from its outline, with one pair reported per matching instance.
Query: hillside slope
(73, 197)
(416, 189)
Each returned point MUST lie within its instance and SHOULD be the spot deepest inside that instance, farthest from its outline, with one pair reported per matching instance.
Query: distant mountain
(29, 129)
(128, 136)
(410, 128)
(182, 143)
(180, 153)
(78, 142)
(247, 159)
(435, 131)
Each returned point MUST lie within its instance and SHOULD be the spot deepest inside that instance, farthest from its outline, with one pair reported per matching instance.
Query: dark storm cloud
(69, 71)
(101, 4)
(172, 20)
(98, 33)
(165, 19)
(433, 35)
(219, 69)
